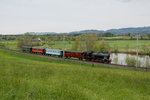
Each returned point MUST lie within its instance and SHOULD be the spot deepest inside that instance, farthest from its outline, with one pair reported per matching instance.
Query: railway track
(82, 61)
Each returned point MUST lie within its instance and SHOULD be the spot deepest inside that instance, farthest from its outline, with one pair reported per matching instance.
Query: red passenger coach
(75, 54)
(38, 50)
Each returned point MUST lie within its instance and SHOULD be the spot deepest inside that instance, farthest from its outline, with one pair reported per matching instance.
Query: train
(87, 56)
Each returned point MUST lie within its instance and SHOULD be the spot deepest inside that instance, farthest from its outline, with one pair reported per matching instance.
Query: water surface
(120, 58)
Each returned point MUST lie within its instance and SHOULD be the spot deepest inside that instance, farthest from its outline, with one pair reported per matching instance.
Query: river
(120, 58)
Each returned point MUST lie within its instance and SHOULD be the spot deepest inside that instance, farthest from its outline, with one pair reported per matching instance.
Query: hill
(134, 30)
(141, 30)
(86, 31)
(26, 77)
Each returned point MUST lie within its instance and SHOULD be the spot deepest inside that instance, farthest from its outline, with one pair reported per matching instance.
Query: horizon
(70, 31)
(21, 16)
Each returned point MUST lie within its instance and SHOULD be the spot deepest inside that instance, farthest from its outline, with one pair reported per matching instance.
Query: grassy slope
(24, 77)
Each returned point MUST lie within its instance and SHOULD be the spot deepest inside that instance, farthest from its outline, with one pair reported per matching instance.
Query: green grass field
(122, 44)
(24, 77)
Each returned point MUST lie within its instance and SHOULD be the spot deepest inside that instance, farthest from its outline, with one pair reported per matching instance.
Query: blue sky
(19, 16)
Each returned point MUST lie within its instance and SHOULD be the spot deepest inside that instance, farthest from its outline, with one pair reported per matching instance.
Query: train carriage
(54, 52)
(75, 54)
(38, 50)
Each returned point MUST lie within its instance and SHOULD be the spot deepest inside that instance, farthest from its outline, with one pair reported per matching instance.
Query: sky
(20, 16)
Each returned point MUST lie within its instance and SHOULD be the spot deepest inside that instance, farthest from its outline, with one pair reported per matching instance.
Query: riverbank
(132, 52)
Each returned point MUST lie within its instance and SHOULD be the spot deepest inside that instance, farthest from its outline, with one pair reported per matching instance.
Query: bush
(2, 45)
(131, 61)
(116, 48)
(139, 63)
(102, 47)
(115, 60)
(146, 49)
(147, 62)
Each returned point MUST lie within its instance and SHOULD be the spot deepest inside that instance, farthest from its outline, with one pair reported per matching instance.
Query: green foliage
(116, 48)
(146, 49)
(75, 45)
(129, 34)
(147, 62)
(148, 35)
(11, 37)
(127, 47)
(115, 60)
(20, 42)
(131, 37)
(24, 77)
(25, 40)
(102, 47)
(90, 41)
(2, 45)
(106, 34)
(131, 61)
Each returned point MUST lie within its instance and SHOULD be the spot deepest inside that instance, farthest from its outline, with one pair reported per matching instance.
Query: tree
(49, 42)
(82, 46)
(127, 47)
(90, 41)
(131, 37)
(102, 47)
(148, 35)
(25, 40)
(129, 34)
(69, 40)
(75, 45)
(141, 37)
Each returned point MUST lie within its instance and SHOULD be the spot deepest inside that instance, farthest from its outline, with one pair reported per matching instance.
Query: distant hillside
(141, 30)
(86, 31)
(42, 33)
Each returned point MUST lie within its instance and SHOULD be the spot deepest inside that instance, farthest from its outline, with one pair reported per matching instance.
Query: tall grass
(24, 77)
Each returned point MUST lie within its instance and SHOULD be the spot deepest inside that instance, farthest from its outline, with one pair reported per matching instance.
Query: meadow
(120, 45)
(26, 77)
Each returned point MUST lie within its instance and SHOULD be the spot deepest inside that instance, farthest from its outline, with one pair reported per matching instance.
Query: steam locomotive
(88, 56)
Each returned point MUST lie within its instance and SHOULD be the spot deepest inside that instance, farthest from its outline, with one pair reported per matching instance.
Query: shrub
(139, 64)
(130, 61)
(146, 49)
(102, 47)
(115, 60)
(147, 62)
(2, 45)
(116, 48)
(127, 47)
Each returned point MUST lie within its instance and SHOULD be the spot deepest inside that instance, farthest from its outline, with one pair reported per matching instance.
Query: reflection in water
(120, 58)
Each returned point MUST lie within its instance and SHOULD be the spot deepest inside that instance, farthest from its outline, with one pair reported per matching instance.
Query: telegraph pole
(64, 46)
(7, 41)
(25, 39)
(137, 50)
